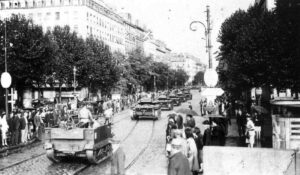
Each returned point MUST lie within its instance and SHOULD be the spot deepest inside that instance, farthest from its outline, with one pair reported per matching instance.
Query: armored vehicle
(90, 143)
(165, 102)
(147, 108)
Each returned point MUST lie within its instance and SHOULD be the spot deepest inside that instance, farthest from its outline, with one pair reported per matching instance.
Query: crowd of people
(184, 144)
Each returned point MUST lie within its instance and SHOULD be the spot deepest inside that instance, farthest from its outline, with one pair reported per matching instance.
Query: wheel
(98, 155)
(51, 156)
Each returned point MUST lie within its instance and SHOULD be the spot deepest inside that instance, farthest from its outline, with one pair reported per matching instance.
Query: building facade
(189, 63)
(157, 49)
(86, 17)
(134, 33)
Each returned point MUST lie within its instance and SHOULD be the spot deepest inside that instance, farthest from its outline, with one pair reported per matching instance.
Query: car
(187, 94)
(165, 102)
(181, 96)
(176, 100)
(146, 108)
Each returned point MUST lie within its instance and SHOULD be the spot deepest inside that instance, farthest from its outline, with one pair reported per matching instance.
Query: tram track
(81, 169)
(143, 150)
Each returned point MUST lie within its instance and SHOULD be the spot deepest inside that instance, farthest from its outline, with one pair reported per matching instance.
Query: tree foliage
(249, 50)
(198, 78)
(28, 52)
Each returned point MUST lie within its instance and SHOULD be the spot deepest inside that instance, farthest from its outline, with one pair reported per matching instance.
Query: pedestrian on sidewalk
(16, 128)
(190, 121)
(38, 124)
(250, 132)
(240, 123)
(192, 154)
(23, 127)
(199, 143)
(4, 129)
(178, 163)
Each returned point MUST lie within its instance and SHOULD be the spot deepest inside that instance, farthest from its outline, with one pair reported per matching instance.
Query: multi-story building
(134, 34)
(189, 63)
(157, 49)
(86, 17)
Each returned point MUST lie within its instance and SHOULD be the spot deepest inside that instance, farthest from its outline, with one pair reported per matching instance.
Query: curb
(18, 148)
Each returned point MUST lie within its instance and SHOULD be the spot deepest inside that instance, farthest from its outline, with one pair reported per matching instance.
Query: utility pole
(209, 38)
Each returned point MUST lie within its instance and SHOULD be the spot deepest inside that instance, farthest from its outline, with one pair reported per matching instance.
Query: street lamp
(74, 72)
(210, 75)
(5, 76)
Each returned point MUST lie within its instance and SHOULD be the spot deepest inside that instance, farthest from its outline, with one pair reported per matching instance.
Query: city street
(143, 142)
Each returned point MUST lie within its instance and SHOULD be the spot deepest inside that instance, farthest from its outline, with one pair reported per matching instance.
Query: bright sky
(170, 20)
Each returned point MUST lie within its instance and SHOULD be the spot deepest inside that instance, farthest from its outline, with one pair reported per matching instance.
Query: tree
(198, 78)
(70, 51)
(249, 50)
(288, 14)
(100, 69)
(30, 53)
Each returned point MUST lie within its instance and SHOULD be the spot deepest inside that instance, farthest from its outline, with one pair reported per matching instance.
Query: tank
(89, 143)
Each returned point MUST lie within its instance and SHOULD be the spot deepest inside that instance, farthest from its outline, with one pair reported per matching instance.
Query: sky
(170, 21)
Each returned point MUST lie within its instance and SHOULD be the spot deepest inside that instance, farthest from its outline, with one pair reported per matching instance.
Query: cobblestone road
(133, 136)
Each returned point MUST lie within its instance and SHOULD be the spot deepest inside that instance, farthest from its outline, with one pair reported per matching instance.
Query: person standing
(38, 122)
(192, 151)
(118, 162)
(190, 121)
(108, 114)
(23, 128)
(240, 122)
(199, 143)
(250, 132)
(16, 128)
(4, 128)
(178, 163)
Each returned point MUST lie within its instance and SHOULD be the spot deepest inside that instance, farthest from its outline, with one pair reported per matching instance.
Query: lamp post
(210, 75)
(5, 76)
(74, 72)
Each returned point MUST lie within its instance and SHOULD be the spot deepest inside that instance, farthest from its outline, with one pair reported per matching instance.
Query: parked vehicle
(165, 102)
(176, 100)
(147, 108)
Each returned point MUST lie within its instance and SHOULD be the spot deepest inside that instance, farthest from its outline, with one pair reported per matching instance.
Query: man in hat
(178, 163)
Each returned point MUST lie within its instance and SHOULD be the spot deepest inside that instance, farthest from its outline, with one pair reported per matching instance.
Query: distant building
(189, 63)
(266, 4)
(157, 49)
(134, 34)
(86, 17)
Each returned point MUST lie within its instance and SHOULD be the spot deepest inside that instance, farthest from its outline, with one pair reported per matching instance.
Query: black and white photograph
(150, 87)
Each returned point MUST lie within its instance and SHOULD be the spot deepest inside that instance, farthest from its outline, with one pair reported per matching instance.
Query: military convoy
(146, 108)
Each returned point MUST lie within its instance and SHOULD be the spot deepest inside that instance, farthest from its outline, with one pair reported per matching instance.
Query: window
(10, 5)
(30, 16)
(76, 28)
(61, 2)
(47, 17)
(34, 4)
(57, 15)
(26, 4)
(2, 5)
